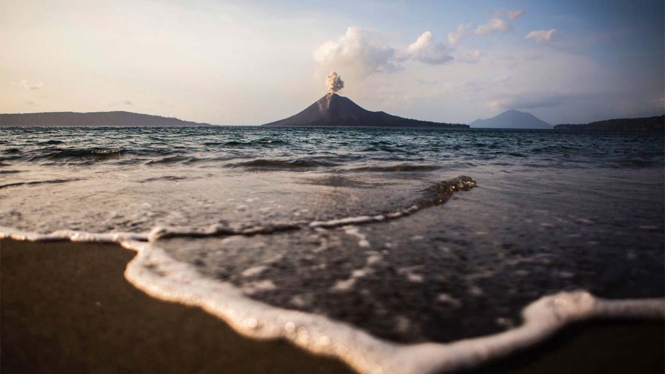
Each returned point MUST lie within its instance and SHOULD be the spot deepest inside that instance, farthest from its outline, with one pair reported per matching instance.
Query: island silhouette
(333, 110)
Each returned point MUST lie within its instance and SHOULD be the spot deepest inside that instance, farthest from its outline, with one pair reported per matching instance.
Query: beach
(66, 307)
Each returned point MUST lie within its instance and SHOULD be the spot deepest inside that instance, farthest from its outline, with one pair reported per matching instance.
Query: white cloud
(428, 51)
(541, 35)
(494, 24)
(357, 54)
(501, 22)
(459, 34)
(356, 51)
(514, 14)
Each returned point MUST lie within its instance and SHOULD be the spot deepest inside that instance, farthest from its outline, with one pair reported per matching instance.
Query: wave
(173, 160)
(51, 142)
(169, 178)
(86, 155)
(32, 183)
(97, 154)
(250, 143)
(10, 158)
(404, 168)
(263, 164)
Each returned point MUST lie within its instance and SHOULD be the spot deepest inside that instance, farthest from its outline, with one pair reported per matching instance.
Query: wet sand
(66, 307)
(593, 347)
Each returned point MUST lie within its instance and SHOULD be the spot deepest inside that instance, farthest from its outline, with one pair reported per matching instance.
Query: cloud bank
(358, 53)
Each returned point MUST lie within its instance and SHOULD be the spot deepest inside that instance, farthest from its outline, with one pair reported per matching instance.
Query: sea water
(360, 243)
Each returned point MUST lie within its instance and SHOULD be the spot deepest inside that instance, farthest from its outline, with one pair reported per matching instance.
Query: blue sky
(254, 62)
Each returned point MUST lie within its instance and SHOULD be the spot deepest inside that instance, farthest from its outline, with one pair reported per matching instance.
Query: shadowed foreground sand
(66, 307)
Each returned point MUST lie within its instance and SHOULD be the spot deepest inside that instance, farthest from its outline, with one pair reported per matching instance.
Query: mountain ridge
(92, 119)
(620, 124)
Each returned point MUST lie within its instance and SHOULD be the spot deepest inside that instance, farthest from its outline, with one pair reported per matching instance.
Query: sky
(253, 62)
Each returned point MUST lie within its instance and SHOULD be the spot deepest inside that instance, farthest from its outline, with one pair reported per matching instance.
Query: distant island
(622, 124)
(334, 110)
(95, 119)
(511, 119)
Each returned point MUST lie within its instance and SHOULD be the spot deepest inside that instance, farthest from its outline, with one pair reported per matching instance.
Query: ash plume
(334, 82)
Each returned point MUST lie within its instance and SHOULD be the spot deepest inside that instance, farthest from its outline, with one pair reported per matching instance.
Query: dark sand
(593, 347)
(66, 307)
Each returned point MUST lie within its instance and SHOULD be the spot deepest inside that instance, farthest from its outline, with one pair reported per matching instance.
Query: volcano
(337, 111)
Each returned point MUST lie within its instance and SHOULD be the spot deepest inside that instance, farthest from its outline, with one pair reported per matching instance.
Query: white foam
(162, 277)
(72, 235)
(362, 238)
(345, 221)
(253, 271)
(343, 285)
(444, 298)
(264, 285)
(411, 274)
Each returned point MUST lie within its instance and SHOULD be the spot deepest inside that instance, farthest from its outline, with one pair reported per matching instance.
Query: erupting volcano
(339, 111)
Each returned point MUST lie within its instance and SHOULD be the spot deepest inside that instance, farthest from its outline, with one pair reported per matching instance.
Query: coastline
(67, 307)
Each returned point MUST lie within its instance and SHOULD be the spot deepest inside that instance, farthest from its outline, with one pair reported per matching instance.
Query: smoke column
(334, 82)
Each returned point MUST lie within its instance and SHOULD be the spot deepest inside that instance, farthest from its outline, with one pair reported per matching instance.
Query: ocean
(383, 247)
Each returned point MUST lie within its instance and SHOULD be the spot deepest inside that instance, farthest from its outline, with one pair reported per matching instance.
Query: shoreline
(68, 307)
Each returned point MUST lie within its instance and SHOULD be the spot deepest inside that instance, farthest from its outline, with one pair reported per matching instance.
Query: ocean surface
(371, 229)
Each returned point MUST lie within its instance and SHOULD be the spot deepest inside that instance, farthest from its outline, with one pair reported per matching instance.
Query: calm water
(552, 211)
